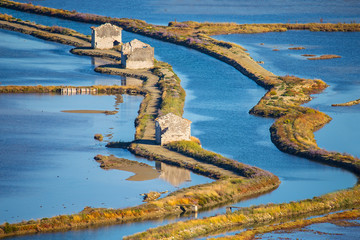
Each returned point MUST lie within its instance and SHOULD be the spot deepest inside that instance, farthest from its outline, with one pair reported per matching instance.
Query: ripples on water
(342, 74)
(47, 166)
(45, 63)
(240, 11)
(321, 231)
(218, 101)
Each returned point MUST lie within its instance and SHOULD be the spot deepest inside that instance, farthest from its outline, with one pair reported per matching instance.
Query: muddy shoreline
(229, 185)
(288, 114)
(347, 104)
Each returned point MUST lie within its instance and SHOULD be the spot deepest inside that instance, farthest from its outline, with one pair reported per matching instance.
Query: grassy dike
(192, 34)
(100, 89)
(163, 94)
(292, 131)
(246, 217)
(55, 33)
(335, 218)
(347, 104)
(178, 28)
(226, 189)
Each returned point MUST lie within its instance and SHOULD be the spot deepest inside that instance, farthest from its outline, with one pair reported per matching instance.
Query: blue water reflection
(45, 63)
(342, 74)
(218, 101)
(240, 11)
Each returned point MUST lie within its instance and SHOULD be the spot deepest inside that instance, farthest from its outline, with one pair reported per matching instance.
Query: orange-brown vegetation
(247, 216)
(347, 104)
(296, 48)
(295, 225)
(172, 94)
(100, 89)
(50, 29)
(195, 140)
(178, 31)
(98, 137)
(207, 195)
(327, 56)
(292, 132)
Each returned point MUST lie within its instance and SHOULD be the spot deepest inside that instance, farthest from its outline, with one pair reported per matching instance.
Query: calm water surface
(321, 231)
(342, 74)
(45, 63)
(218, 101)
(240, 11)
(47, 165)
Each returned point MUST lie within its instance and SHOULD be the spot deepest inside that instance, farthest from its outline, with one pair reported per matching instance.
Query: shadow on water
(239, 11)
(218, 101)
(146, 141)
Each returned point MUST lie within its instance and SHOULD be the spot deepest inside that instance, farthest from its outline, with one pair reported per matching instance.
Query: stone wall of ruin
(106, 36)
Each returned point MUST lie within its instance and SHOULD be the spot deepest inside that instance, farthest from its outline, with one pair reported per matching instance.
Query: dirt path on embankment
(25, 28)
(147, 141)
(229, 186)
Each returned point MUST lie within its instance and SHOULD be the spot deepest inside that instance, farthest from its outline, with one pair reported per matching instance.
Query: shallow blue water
(326, 231)
(218, 101)
(46, 164)
(342, 74)
(45, 63)
(240, 11)
(318, 231)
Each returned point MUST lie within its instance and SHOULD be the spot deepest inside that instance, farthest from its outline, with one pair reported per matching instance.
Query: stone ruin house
(171, 128)
(137, 55)
(105, 36)
(134, 54)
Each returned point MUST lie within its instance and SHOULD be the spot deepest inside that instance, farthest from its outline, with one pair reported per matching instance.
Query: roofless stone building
(137, 55)
(134, 54)
(170, 128)
(106, 36)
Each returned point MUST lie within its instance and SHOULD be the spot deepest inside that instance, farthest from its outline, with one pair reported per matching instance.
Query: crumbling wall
(106, 36)
(170, 128)
(137, 55)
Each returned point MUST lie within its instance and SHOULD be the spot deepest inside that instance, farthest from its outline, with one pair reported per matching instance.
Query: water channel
(239, 11)
(47, 162)
(218, 101)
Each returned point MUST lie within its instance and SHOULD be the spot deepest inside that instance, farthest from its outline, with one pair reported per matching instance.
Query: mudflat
(90, 111)
(142, 171)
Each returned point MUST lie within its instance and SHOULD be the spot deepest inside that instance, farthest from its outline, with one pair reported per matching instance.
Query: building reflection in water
(100, 61)
(130, 81)
(174, 175)
(123, 81)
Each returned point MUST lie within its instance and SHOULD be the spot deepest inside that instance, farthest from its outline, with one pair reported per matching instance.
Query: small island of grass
(292, 132)
(141, 170)
(296, 48)
(347, 104)
(323, 57)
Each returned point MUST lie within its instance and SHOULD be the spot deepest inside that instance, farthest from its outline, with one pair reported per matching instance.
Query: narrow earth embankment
(292, 131)
(158, 90)
(347, 104)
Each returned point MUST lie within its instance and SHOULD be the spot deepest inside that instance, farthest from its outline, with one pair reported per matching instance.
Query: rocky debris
(98, 137)
(151, 196)
(110, 112)
(296, 48)
(326, 56)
